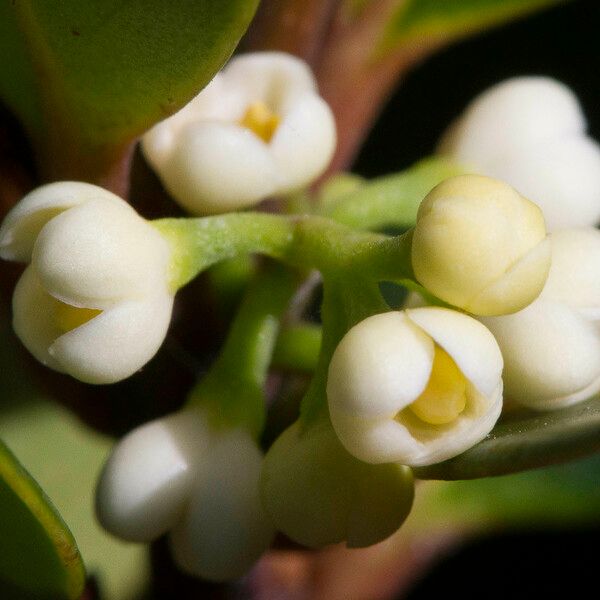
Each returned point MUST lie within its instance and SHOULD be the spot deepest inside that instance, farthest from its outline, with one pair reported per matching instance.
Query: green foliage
(38, 556)
(561, 495)
(526, 441)
(427, 21)
(103, 72)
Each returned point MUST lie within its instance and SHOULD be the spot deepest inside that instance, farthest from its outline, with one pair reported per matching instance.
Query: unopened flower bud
(479, 245)
(415, 387)
(181, 475)
(318, 494)
(531, 132)
(95, 301)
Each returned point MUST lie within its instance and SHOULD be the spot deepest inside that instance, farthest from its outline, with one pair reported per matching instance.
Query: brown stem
(107, 166)
(355, 81)
(291, 26)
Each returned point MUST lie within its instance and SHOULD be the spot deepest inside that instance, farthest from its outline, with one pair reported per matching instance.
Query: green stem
(392, 200)
(347, 300)
(307, 242)
(297, 347)
(233, 388)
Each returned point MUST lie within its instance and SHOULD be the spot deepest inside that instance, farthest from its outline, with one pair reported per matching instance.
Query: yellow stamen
(70, 317)
(444, 398)
(261, 120)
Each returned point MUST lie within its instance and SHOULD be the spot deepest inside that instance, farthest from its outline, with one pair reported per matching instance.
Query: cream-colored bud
(318, 494)
(415, 387)
(479, 245)
(258, 129)
(95, 301)
(551, 348)
(531, 132)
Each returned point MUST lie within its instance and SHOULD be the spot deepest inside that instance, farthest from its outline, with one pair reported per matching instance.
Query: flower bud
(415, 387)
(317, 494)
(95, 301)
(531, 132)
(481, 246)
(181, 475)
(258, 129)
(551, 348)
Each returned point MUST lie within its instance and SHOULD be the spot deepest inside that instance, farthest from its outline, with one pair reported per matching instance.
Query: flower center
(70, 317)
(260, 119)
(444, 398)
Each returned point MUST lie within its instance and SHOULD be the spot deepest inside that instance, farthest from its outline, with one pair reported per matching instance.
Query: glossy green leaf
(444, 20)
(526, 441)
(99, 73)
(38, 555)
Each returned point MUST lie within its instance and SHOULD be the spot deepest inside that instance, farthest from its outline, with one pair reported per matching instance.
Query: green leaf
(97, 74)
(555, 496)
(444, 20)
(526, 441)
(65, 457)
(38, 555)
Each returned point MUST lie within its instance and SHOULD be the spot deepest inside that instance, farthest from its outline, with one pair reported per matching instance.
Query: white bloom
(479, 245)
(318, 494)
(414, 387)
(94, 301)
(180, 475)
(531, 132)
(551, 348)
(259, 128)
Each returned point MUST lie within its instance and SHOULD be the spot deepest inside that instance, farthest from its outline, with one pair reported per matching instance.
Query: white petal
(304, 142)
(380, 366)
(275, 78)
(550, 353)
(146, 481)
(409, 441)
(470, 344)
(23, 223)
(562, 178)
(218, 101)
(513, 114)
(224, 529)
(33, 318)
(217, 167)
(116, 343)
(95, 254)
(574, 277)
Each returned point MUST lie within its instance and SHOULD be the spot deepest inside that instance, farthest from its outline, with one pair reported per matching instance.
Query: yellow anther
(70, 317)
(261, 120)
(444, 398)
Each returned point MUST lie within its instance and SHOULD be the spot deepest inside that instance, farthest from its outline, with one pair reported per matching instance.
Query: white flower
(531, 132)
(318, 494)
(479, 245)
(181, 475)
(259, 128)
(94, 301)
(414, 387)
(551, 348)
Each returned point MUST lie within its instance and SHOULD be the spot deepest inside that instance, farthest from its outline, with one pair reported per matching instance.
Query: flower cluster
(514, 313)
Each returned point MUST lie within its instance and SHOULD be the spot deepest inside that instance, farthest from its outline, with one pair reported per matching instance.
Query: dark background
(563, 42)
